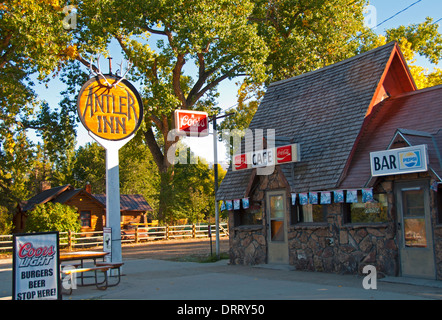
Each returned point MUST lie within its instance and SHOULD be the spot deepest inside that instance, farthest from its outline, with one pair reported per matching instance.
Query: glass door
(415, 230)
(277, 227)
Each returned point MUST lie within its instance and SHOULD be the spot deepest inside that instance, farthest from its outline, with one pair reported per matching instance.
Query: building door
(278, 251)
(415, 234)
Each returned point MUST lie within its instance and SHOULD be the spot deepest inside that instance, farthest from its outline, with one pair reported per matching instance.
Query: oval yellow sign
(110, 112)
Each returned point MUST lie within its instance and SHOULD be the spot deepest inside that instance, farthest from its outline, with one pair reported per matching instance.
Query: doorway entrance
(278, 250)
(415, 234)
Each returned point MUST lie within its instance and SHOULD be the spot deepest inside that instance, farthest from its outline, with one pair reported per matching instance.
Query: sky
(416, 12)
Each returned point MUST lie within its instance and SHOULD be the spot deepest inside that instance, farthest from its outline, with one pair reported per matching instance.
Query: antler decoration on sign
(97, 72)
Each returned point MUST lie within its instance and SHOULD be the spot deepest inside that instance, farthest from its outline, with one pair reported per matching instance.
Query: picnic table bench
(102, 285)
(73, 269)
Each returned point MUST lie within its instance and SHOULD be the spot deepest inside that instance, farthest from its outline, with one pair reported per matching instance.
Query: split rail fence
(136, 234)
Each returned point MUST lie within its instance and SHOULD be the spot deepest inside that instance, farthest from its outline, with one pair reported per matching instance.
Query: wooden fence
(136, 234)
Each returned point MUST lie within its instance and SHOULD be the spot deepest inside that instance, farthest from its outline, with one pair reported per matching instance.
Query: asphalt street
(148, 279)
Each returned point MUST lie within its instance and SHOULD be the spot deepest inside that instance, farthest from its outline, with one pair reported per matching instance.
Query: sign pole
(111, 110)
(215, 168)
(113, 213)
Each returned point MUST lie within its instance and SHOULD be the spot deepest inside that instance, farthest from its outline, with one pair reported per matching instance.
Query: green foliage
(90, 166)
(53, 217)
(182, 50)
(6, 224)
(304, 35)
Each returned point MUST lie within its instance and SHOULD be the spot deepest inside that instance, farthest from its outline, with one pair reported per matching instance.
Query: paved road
(174, 249)
(181, 282)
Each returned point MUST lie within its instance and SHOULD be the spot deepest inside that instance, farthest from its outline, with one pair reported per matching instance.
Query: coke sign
(264, 158)
(240, 162)
(191, 123)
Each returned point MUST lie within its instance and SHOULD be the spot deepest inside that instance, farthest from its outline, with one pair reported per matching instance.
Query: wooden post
(136, 234)
(193, 231)
(70, 240)
(167, 232)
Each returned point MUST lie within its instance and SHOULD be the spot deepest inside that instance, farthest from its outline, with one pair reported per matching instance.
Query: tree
(53, 217)
(416, 39)
(90, 167)
(305, 35)
(6, 224)
(138, 172)
(216, 37)
(302, 36)
(33, 43)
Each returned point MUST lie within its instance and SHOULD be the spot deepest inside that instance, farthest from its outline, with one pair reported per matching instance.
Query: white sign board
(267, 157)
(399, 161)
(107, 242)
(263, 158)
(36, 267)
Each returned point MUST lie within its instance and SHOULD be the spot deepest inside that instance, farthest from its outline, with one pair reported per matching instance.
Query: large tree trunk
(164, 163)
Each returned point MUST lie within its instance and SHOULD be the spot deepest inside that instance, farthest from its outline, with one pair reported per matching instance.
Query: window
(369, 212)
(251, 216)
(85, 219)
(308, 213)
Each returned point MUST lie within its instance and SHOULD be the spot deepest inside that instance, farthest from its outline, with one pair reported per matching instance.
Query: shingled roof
(62, 194)
(323, 111)
(415, 117)
(128, 202)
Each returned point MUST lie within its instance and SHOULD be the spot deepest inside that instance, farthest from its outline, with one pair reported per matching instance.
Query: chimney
(45, 185)
(88, 188)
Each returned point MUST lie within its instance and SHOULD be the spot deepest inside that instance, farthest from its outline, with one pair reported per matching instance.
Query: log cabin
(91, 207)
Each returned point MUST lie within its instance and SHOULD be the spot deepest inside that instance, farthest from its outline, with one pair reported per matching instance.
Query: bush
(6, 224)
(52, 217)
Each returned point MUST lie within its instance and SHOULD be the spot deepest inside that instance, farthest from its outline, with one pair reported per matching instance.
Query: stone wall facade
(332, 246)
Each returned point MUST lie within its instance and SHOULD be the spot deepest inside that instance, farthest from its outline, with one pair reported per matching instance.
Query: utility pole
(215, 172)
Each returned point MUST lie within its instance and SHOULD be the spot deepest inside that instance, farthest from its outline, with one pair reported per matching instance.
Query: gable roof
(62, 194)
(45, 196)
(128, 202)
(415, 116)
(323, 111)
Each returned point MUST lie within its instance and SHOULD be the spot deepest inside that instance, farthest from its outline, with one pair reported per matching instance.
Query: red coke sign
(240, 162)
(191, 123)
(284, 154)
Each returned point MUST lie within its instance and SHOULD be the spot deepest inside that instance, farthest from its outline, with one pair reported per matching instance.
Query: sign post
(36, 267)
(111, 110)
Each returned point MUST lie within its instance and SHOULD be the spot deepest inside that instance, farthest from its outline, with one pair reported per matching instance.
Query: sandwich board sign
(36, 266)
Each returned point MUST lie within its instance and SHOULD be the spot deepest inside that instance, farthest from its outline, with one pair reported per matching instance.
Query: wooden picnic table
(98, 266)
(82, 255)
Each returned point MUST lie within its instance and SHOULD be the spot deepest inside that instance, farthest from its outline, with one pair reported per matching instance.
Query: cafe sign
(110, 108)
(267, 157)
(399, 161)
(191, 123)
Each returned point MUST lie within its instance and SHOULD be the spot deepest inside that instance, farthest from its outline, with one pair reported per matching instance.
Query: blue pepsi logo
(410, 159)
